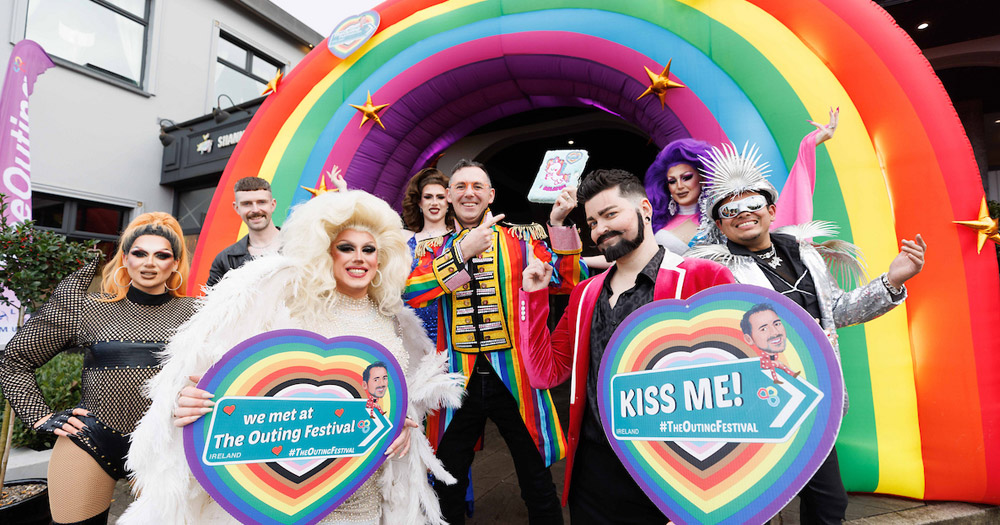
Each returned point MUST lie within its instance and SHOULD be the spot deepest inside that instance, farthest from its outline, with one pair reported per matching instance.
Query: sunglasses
(751, 204)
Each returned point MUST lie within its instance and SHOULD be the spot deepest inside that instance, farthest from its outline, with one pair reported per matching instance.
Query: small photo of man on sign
(765, 333)
(375, 381)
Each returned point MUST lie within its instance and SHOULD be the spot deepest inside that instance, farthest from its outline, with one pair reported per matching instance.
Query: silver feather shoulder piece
(719, 253)
(844, 260)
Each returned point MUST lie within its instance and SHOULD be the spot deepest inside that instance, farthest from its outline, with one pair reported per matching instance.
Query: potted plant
(32, 262)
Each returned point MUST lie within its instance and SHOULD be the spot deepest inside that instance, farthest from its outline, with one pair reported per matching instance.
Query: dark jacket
(231, 258)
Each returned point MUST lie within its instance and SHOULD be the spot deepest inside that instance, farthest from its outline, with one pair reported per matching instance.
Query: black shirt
(791, 279)
(606, 320)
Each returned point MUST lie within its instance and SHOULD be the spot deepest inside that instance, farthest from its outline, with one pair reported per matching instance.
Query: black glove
(56, 421)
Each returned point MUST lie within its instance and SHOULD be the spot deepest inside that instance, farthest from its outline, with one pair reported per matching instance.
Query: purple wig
(681, 151)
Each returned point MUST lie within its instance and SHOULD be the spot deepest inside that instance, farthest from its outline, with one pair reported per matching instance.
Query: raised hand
(908, 263)
(192, 403)
(564, 204)
(826, 131)
(480, 238)
(337, 177)
(537, 275)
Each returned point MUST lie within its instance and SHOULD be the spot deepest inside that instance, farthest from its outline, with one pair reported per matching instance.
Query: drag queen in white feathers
(341, 271)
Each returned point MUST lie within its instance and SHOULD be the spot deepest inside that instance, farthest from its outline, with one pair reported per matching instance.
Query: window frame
(238, 39)
(19, 29)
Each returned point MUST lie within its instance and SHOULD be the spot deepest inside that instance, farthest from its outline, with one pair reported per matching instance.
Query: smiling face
(355, 260)
(748, 228)
(767, 332)
(377, 382)
(255, 208)
(433, 203)
(470, 193)
(617, 227)
(149, 264)
(684, 184)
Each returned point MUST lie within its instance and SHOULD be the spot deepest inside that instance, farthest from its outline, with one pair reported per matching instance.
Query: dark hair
(412, 216)
(715, 209)
(251, 184)
(153, 229)
(686, 151)
(367, 374)
(600, 180)
(757, 308)
(466, 163)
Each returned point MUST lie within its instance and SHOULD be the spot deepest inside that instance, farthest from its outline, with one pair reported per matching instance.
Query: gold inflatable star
(659, 84)
(370, 111)
(316, 192)
(985, 226)
(272, 86)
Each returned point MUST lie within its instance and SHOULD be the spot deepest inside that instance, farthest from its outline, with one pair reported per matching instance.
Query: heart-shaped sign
(352, 33)
(303, 437)
(723, 406)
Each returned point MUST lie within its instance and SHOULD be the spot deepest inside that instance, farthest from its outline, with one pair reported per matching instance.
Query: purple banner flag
(27, 61)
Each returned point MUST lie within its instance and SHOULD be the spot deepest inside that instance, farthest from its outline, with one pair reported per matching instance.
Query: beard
(624, 246)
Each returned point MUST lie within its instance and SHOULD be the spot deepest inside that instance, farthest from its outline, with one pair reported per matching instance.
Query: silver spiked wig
(730, 172)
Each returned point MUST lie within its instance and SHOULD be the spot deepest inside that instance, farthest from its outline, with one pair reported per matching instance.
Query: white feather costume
(247, 302)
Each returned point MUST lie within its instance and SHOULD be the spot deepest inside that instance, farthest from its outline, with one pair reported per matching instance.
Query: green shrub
(59, 381)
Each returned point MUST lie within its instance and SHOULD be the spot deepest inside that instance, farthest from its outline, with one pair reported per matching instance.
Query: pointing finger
(492, 219)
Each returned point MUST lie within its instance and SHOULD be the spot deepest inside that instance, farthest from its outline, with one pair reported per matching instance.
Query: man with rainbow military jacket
(477, 274)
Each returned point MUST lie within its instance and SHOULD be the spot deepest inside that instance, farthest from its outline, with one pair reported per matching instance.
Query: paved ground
(498, 499)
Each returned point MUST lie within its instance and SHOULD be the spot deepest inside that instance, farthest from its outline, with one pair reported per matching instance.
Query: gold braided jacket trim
(527, 232)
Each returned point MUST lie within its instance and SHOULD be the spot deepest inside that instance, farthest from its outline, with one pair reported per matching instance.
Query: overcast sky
(323, 15)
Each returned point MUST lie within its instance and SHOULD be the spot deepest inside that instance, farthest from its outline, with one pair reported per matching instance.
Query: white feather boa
(249, 301)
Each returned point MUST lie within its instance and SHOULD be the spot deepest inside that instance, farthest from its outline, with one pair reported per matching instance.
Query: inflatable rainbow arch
(924, 380)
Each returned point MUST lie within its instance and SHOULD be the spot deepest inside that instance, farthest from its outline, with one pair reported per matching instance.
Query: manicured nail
(204, 410)
(208, 403)
(208, 395)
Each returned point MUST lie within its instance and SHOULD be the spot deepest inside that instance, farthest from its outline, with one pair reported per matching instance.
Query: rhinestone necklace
(770, 257)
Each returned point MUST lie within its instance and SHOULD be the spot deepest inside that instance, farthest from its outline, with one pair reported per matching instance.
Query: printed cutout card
(560, 168)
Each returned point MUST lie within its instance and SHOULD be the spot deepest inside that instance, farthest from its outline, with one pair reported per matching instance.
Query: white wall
(96, 140)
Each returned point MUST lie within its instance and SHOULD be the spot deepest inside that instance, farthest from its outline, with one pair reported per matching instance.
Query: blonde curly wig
(309, 231)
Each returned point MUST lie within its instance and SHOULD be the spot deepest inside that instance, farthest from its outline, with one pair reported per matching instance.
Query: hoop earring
(378, 273)
(178, 284)
(118, 284)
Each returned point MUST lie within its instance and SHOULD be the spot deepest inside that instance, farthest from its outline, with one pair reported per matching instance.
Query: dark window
(108, 37)
(243, 71)
(192, 207)
(80, 220)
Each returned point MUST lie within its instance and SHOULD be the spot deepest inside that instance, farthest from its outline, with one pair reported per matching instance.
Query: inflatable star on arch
(985, 226)
(659, 84)
(370, 111)
(272, 86)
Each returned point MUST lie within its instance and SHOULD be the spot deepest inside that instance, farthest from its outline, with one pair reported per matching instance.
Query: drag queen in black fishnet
(140, 306)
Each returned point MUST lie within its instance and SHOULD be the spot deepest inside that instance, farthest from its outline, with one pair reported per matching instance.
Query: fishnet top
(133, 328)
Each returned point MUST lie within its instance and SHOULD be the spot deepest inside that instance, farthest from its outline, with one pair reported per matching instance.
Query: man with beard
(477, 274)
(255, 205)
(618, 214)
(764, 332)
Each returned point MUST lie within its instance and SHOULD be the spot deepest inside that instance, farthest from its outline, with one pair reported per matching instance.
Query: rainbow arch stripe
(923, 378)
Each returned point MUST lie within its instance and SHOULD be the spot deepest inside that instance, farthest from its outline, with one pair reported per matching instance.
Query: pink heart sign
(352, 33)
(295, 436)
(721, 407)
